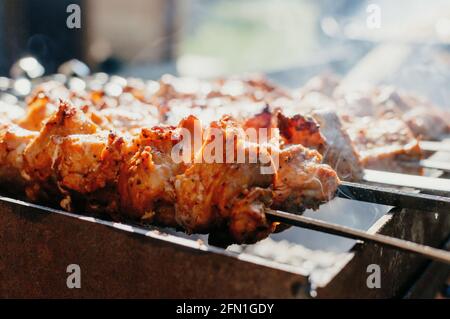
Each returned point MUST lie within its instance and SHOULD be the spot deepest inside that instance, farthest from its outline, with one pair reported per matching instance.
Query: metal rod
(440, 165)
(434, 146)
(393, 197)
(334, 229)
(405, 180)
(428, 163)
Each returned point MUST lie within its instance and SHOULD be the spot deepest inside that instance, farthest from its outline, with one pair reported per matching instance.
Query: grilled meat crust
(385, 144)
(13, 141)
(81, 165)
(103, 152)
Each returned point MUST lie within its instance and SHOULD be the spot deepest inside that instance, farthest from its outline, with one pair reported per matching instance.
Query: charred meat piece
(322, 131)
(147, 175)
(13, 141)
(297, 129)
(425, 120)
(234, 195)
(385, 144)
(339, 152)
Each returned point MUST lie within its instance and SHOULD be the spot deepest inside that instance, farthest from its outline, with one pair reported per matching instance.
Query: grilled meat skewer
(74, 160)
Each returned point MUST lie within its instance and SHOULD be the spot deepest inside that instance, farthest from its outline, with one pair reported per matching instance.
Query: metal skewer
(428, 163)
(434, 146)
(405, 180)
(440, 165)
(334, 229)
(393, 197)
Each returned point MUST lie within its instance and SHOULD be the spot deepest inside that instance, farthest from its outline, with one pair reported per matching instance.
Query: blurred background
(290, 40)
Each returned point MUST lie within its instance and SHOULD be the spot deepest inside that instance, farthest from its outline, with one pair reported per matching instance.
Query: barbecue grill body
(36, 247)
